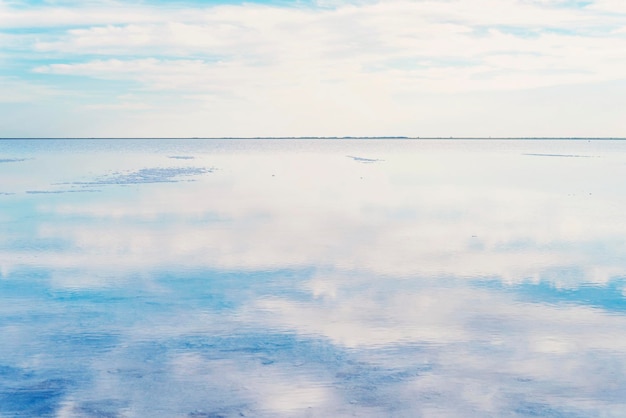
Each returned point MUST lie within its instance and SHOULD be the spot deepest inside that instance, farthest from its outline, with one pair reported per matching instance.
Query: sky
(419, 68)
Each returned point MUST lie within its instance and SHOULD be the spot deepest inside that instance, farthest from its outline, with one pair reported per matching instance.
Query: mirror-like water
(312, 278)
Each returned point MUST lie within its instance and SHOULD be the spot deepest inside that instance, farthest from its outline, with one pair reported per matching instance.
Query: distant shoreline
(329, 137)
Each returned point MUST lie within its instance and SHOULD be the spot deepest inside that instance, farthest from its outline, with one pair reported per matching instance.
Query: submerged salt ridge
(148, 175)
(312, 278)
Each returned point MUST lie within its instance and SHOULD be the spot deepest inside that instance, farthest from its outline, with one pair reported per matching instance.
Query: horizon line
(334, 137)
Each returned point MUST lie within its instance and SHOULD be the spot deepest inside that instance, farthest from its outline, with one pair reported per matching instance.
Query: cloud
(359, 67)
(608, 6)
(50, 15)
(16, 90)
(374, 50)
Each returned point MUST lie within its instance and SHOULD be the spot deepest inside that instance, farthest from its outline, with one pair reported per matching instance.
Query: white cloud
(609, 6)
(16, 90)
(84, 13)
(380, 49)
(366, 66)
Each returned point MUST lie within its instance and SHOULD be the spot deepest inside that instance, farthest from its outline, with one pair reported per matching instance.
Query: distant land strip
(333, 137)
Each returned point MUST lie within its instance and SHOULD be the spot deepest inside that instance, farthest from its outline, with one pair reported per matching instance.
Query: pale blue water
(312, 278)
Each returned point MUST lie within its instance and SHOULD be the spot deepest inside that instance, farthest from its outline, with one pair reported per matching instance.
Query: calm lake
(312, 278)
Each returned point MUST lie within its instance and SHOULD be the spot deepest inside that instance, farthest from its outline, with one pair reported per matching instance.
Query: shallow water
(312, 278)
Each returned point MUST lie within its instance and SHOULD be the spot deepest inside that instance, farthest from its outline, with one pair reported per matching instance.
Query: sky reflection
(312, 278)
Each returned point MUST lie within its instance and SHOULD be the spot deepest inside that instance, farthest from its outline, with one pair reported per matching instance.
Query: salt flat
(299, 278)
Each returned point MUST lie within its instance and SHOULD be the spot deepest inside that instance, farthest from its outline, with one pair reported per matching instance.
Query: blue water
(312, 278)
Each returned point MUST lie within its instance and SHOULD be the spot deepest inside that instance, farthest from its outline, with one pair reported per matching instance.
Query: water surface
(312, 278)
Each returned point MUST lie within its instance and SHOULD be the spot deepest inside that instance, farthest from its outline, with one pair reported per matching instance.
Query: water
(312, 278)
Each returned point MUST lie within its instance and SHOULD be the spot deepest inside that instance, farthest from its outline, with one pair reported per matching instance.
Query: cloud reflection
(443, 282)
(430, 215)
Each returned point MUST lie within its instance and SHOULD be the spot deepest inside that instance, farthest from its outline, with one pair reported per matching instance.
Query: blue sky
(323, 68)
